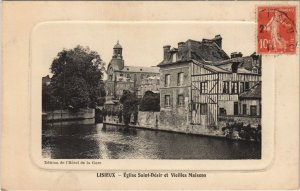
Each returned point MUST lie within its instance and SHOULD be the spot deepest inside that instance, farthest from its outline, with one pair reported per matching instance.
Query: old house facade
(121, 77)
(200, 83)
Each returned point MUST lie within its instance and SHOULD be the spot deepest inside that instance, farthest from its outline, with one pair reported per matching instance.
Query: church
(121, 77)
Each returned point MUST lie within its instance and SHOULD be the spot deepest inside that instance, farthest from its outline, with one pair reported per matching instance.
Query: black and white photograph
(149, 95)
(151, 91)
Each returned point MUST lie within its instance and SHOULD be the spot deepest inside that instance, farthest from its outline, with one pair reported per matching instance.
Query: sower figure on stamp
(279, 18)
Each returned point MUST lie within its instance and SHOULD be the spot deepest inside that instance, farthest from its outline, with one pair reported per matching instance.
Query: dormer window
(234, 67)
(254, 70)
(174, 57)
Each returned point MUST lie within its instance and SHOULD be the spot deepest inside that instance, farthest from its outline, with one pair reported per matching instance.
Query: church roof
(118, 45)
(140, 69)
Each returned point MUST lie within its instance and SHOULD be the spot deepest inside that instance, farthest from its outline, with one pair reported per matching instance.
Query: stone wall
(57, 115)
(254, 121)
(164, 120)
(148, 119)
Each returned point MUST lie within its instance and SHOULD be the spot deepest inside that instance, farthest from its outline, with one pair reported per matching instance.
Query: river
(91, 141)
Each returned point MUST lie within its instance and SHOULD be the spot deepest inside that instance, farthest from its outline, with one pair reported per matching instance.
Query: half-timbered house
(200, 83)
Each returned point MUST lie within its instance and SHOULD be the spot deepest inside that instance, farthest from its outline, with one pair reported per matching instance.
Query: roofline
(210, 69)
(172, 63)
(125, 71)
(259, 98)
(211, 41)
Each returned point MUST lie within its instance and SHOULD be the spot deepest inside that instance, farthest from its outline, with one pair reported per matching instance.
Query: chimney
(236, 55)
(180, 49)
(236, 61)
(166, 51)
(218, 40)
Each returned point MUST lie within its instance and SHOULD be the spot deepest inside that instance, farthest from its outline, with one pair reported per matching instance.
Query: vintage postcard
(150, 95)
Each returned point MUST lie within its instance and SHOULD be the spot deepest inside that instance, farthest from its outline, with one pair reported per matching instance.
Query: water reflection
(91, 141)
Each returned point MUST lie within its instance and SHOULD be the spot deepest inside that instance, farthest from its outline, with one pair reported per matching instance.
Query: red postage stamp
(276, 30)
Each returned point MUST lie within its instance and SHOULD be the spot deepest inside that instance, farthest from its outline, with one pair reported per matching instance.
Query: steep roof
(252, 93)
(208, 51)
(211, 67)
(140, 69)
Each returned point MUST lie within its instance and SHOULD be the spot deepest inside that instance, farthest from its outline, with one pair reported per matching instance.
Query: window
(234, 67)
(194, 106)
(222, 111)
(180, 100)
(121, 74)
(246, 86)
(260, 109)
(110, 77)
(203, 108)
(167, 101)
(235, 108)
(225, 87)
(167, 80)
(253, 110)
(242, 87)
(180, 79)
(234, 87)
(203, 87)
(244, 109)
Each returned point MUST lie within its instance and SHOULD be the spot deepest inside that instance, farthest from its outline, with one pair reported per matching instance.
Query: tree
(150, 102)
(76, 76)
(49, 102)
(130, 106)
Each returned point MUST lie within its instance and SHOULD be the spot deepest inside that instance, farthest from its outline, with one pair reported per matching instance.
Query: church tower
(117, 62)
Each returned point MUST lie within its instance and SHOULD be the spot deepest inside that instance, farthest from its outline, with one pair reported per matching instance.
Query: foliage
(150, 102)
(76, 81)
(239, 131)
(49, 102)
(130, 106)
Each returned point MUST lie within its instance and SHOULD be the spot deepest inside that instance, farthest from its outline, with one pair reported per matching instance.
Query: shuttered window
(203, 87)
(225, 87)
(234, 87)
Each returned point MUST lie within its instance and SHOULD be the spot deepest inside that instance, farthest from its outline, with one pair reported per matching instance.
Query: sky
(142, 42)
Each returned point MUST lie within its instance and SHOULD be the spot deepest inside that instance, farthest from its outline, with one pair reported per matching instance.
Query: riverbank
(214, 134)
(66, 115)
